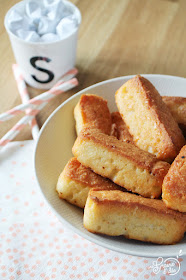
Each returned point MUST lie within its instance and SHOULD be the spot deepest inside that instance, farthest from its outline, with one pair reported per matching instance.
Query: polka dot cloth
(35, 245)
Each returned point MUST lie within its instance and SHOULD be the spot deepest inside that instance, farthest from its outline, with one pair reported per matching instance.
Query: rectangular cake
(123, 163)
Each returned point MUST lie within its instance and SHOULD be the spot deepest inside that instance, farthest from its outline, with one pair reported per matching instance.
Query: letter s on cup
(48, 72)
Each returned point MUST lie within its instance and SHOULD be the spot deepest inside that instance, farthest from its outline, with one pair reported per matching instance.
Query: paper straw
(46, 96)
(23, 92)
(12, 133)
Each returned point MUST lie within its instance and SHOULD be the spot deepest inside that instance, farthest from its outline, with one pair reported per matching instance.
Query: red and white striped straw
(23, 92)
(12, 133)
(46, 96)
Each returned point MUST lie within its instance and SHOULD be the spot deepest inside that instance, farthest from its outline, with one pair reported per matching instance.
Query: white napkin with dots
(34, 244)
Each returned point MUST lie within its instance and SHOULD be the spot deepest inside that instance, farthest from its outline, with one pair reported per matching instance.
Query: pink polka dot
(184, 273)
(132, 263)
(90, 259)
(3, 267)
(101, 263)
(162, 277)
(12, 278)
(53, 276)
(18, 183)
(104, 273)
(109, 260)
(24, 164)
(65, 266)
(27, 271)
(135, 275)
(49, 263)
(74, 268)
(82, 264)
(16, 212)
(96, 275)
(77, 258)
(146, 276)
(63, 272)
(91, 269)
(121, 278)
(26, 203)
(42, 275)
(145, 261)
(19, 272)
(26, 266)
(125, 261)
(14, 162)
(4, 274)
(153, 274)
(7, 196)
(12, 176)
(124, 267)
(107, 251)
(11, 269)
(116, 259)
(95, 250)
(59, 261)
(72, 276)
(85, 273)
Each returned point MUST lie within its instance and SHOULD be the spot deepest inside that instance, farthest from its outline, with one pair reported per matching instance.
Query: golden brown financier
(177, 107)
(120, 213)
(148, 119)
(174, 183)
(92, 111)
(76, 180)
(123, 163)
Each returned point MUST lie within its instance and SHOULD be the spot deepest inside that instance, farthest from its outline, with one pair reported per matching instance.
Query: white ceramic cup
(43, 63)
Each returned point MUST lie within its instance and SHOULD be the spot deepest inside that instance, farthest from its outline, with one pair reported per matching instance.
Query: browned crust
(170, 130)
(141, 158)
(174, 184)
(84, 175)
(179, 100)
(137, 238)
(119, 128)
(95, 112)
(116, 197)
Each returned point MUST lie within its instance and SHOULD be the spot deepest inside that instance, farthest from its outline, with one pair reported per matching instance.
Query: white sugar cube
(66, 26)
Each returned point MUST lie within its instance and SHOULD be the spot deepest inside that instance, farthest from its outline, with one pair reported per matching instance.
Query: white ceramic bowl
(53, 150)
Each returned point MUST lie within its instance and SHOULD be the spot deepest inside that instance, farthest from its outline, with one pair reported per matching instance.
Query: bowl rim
(63, 220)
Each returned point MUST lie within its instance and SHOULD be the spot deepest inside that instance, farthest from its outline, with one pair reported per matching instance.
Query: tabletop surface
(116, 38)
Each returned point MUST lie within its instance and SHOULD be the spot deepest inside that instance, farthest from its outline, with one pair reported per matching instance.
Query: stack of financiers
(122, 164)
